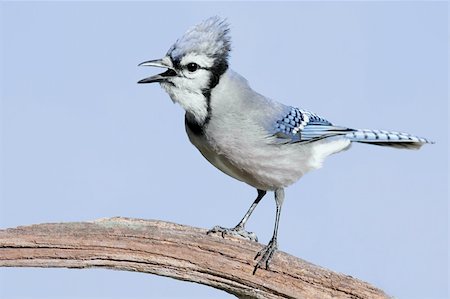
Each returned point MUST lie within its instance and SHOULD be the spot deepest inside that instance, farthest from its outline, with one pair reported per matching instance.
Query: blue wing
(303, 126)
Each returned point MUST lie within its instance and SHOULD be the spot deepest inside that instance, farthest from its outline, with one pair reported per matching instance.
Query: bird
(248, 136)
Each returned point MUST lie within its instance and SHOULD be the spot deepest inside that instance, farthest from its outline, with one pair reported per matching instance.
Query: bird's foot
(237, 231)
(266, 255)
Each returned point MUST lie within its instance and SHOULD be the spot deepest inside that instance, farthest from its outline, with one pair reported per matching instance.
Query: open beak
(165, 62)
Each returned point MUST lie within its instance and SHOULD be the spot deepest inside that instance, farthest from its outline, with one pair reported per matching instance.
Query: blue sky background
(80, 140)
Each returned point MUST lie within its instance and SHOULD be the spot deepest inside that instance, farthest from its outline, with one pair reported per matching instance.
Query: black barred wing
(301, 126)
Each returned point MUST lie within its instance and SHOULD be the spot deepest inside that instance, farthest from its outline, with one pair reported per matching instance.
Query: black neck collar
(217, 70)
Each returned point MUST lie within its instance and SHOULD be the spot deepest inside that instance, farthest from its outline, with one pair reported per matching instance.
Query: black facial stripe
(190, 121)
(203, 68)
(175, 62)
(217, 70)
(193, 125)
(200, 68)
(207, 95)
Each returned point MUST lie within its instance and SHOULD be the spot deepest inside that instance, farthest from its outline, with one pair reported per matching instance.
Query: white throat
(192, 102)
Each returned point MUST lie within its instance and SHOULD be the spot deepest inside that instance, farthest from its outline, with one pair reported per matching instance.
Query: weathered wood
(176, 251)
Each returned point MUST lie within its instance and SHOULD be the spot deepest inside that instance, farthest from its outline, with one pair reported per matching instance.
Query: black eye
(192, 67)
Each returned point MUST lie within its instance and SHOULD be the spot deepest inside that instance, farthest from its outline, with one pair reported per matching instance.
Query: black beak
(159, 78)
(166, 62)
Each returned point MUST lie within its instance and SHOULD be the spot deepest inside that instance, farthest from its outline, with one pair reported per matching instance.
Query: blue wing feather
(302, 126)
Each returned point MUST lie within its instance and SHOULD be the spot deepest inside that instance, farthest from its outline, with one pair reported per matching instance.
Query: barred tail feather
(387, 138)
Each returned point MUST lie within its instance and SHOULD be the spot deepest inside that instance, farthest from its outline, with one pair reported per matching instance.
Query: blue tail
(387, 138)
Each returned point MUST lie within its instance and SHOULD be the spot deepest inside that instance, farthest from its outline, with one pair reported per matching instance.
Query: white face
(192, 78)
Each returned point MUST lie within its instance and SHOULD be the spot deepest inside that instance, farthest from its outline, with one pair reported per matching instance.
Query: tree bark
(176, 251)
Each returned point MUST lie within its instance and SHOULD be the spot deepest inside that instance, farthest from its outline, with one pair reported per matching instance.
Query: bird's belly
(266, 167)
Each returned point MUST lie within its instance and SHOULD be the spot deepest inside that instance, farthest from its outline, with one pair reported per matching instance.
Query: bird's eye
(192, 67)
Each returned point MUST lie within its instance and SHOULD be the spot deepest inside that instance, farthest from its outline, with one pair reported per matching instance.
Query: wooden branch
(176, 251)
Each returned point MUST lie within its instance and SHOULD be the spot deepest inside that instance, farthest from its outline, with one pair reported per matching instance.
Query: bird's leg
(239, 229)
(241, 224)
(267, 252)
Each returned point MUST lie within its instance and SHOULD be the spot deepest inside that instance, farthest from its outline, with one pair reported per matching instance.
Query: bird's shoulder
(236, 106)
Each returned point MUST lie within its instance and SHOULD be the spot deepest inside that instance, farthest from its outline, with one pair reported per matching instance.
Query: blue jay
(244, 134)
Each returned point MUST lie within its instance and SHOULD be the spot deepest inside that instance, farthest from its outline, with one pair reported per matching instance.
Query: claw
(266, 255)
(236, 231)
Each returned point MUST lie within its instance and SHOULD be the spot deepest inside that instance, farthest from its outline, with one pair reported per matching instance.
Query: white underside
(268, 166)
(237, 142)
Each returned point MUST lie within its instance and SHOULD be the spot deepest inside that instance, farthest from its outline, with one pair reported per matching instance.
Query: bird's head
(194, 66)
